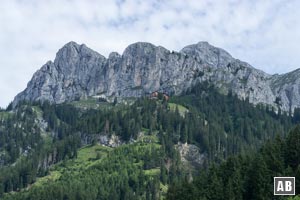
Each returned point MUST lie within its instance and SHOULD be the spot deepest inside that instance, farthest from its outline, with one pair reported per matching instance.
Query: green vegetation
(5, 115)
(91, 103)
(152, 172)
(53, 176)
(181, 109)
(61, 159)
(87, 156)
(112, 175)
(224, 125)
(294, 198)
(91, 153)
(248, 176)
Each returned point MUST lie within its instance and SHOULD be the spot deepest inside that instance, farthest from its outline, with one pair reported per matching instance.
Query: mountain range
(76, 132)
(79, 72)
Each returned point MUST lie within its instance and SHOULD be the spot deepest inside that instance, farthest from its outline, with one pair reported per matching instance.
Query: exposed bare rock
(103, 139)
(190, 155)
(78, 72)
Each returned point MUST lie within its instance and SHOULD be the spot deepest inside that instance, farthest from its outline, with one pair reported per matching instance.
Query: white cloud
(263, 33)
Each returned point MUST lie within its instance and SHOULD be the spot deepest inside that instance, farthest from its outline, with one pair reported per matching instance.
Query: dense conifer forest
(53, 151)
(248, 176)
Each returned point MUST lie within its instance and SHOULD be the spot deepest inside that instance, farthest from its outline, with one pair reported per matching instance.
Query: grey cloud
(263, 33)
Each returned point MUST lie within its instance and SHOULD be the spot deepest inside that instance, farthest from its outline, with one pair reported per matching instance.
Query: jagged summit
(71, 44)
(114, 55)
(139, 45)
(139, 49)
(72, 50)
(205, 52)
(78, 72)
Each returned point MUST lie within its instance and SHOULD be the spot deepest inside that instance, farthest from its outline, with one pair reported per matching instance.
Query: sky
(265, 34)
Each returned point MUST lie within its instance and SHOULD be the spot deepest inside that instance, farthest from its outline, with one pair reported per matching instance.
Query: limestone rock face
(78, 72)
(210, 55)
(71, 76)
(190, 154)
(286, 89)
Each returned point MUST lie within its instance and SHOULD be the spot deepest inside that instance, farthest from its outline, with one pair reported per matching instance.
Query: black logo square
(284, 185)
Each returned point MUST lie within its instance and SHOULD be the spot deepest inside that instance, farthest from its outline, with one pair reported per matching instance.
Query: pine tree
(292, 152)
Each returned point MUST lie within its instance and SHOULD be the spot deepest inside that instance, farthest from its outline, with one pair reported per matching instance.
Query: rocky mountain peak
(209, 54)
(69, 51)
(72, 52)
(114, 55)
(139, 49)
(78, 72)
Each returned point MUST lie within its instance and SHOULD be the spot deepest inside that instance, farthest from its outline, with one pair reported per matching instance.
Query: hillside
(127, 172)
(148, 143)
(248, 176)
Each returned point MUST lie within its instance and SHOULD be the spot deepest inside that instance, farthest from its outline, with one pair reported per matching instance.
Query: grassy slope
(90, 156)
(5, 115)
(182, 110)
(87, 156)
(94, 103)
(91, 103)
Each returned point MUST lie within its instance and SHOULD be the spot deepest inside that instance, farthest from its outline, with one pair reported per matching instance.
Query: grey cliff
(78, 72)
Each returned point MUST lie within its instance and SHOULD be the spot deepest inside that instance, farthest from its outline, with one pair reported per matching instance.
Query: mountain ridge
(78, 72)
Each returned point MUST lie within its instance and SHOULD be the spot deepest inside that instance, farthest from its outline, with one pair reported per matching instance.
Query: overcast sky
(265, 34)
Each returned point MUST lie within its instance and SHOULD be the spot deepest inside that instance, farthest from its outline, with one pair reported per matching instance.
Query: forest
(248, 176)
(241, 143)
